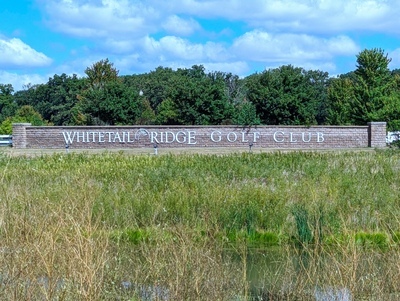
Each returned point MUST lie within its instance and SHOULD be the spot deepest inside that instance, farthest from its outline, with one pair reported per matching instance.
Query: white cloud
(16, 54)
(290, 48)
(19, 81)
(179, 26)
(179, 48)
(340, 45)
(316, 16)
(295, 27)
(107, 18)
(119, 46)
(327, 16)
(175, 48)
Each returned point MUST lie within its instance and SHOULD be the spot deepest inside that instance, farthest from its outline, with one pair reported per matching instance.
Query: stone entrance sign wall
(274, 137)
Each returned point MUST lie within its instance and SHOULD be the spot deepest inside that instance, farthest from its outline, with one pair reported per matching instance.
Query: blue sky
(40, 38)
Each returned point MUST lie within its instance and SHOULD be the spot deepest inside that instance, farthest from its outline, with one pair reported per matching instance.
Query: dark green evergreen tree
(376, 97)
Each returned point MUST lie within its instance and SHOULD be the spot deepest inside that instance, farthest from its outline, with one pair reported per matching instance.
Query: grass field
(129, 226)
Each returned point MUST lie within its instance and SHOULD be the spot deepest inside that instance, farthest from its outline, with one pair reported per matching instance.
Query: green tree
(55, 99)
(167, 112)
(29, 114)
(376, 97)
(113, 104)
(187, 96)
(340, 96)
(288, 95)
(25, 113)
(201, 98)
(106, 99)
(316, 83)
(234, 86)
(6, 126)
(101, 73)
(7, 102)
(147, 115)
(246, 114)
(159, 85)
(62, 97)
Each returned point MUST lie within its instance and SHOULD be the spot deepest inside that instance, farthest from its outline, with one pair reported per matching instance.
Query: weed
(304, 232)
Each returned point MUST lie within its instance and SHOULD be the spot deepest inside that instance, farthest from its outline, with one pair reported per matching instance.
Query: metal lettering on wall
(188, 137)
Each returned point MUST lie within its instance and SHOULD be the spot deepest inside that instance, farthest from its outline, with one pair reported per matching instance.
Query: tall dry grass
(51, 249)
(118, 227)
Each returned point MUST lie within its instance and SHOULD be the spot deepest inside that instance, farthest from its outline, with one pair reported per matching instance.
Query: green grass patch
(377, 240)
(134, 236)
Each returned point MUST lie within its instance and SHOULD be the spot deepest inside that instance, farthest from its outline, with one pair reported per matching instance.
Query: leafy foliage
(246, 114)
(340, 96)
(7, 103)
(100, 73)
(23, 114)
(286, 95)
(112, 104)
(53, 100)
(374, 87)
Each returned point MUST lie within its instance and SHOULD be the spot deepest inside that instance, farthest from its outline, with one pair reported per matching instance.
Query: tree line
(287, 95)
